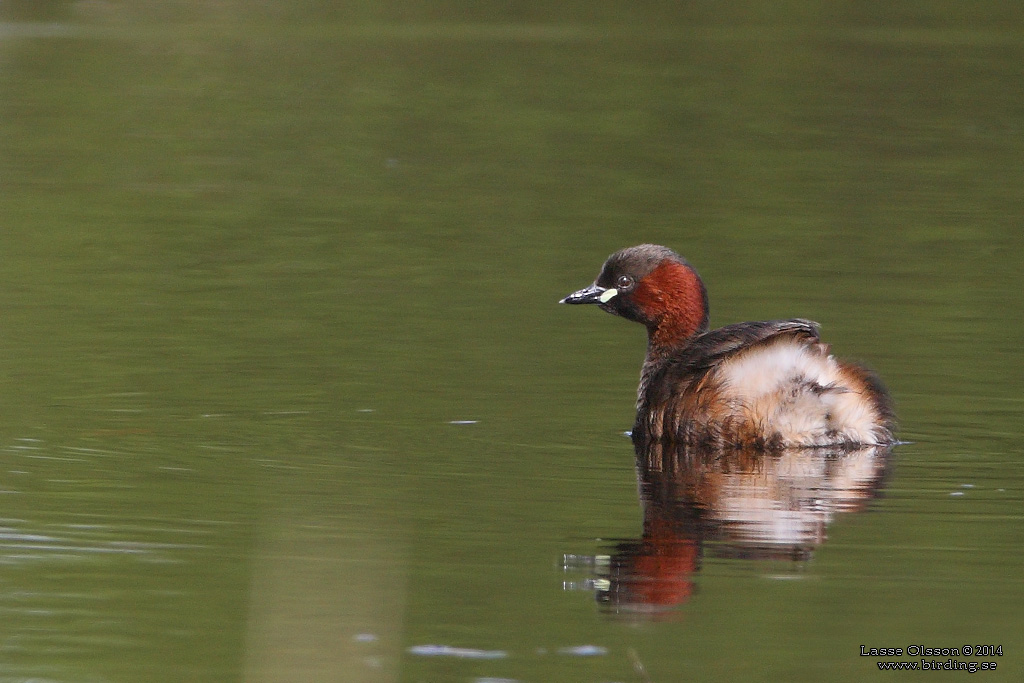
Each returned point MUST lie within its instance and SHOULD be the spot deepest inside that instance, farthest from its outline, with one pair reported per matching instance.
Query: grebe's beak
(591, 295)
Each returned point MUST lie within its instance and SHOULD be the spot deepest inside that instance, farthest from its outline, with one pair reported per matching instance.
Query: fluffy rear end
(792, 393)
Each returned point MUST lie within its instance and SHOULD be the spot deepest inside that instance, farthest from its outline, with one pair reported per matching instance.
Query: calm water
(288, 397)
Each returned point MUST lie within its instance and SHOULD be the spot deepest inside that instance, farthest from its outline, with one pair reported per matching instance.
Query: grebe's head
(653, 285)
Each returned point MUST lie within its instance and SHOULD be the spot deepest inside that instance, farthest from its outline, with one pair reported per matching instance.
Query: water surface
(288, 396)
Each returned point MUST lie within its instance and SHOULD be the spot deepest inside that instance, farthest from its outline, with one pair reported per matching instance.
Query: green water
(287, 392)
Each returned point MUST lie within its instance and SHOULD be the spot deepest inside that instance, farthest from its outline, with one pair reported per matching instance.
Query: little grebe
(766, 385)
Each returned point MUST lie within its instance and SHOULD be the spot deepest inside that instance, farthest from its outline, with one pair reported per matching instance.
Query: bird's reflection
(737, 504)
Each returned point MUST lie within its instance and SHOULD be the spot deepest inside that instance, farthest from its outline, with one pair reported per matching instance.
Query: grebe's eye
(624, 282)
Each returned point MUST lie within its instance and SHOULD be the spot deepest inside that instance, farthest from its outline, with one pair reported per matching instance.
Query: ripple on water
(461, 652)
